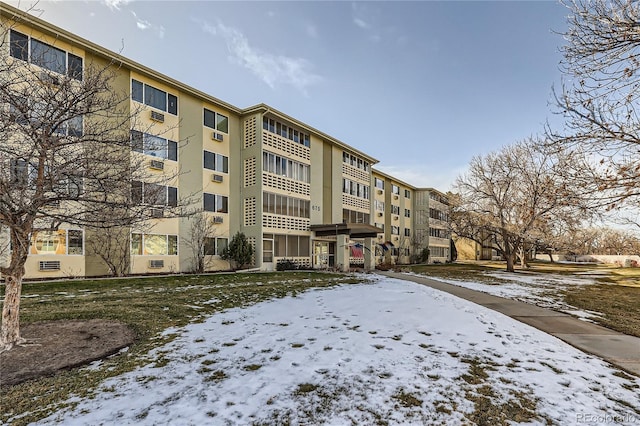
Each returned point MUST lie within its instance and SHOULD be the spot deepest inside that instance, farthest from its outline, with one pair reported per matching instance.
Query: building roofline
(264, 108)
(19, 16)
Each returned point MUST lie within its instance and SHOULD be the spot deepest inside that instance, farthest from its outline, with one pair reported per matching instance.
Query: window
(154, 244)
(395, 230)
(276, 164)
(439, 233)
(217, 162)
(379, 225)
(75, 66)
(44, 55)
(48, 57)
(216, 121)
(352, 216)
(19, 172)
(407, 194)
(395, 189)
(407, 213)
(395, 209)
(61, 241)
(216, 203)
(154, 145)
(283, 130)
(438, 215)
(407, 232)
(379, 206)
(19, 46)
(153, 194)
(75, 242)
(354, 188)
(289, 206)
(290, 246)
(215, 246)
(153, 97)
(379, 183)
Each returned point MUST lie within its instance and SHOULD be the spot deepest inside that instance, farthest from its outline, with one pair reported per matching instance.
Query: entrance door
(267, 254)
(323, 254)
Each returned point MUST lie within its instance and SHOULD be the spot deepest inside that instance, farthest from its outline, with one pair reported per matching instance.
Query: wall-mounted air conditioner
(45, 77)
(157, 212)
(157, 116)
(217, 178)
(380, 191)
(156, 164)
(156, 263)
(49, 265)
(380, 214)
(217, 136)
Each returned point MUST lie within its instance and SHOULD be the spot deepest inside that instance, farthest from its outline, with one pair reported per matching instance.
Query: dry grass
(616, 294)
(148, 305)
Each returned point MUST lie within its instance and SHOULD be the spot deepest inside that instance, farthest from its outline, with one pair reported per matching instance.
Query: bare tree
(202, 231)
(65, 153)
(112, 246)
(508, 195)
(599, 100)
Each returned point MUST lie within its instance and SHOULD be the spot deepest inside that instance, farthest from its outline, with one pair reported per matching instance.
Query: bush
(287, 265)
(239, 250)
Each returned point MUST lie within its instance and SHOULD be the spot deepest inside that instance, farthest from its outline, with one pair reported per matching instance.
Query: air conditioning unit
(217, 178)
(156, 164)
(217, 136)
(218, 219)
(157, 213)
(45, 77)
(157, 116)
(395, 218)
(380, 214)
(395, 197)
(49, 265)
(380, 191)
(156, 263)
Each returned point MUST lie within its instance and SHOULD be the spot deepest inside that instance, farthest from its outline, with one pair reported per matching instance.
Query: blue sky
(422, 86)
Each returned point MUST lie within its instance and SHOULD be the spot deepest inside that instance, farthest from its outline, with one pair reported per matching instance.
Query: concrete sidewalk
(617, 348)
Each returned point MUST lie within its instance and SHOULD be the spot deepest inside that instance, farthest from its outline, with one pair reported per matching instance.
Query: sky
(422, 86)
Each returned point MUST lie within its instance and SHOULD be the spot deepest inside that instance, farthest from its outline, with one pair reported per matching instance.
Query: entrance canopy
(353, 230)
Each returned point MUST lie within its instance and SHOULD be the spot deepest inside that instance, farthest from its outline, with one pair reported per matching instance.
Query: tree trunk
(551, 257)
(510, 262)
(10, 330)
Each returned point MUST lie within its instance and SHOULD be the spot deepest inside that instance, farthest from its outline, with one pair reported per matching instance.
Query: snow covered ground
(364, 353)
(544, 290)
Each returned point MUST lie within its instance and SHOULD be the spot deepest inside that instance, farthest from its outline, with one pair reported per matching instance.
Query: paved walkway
(617, 348)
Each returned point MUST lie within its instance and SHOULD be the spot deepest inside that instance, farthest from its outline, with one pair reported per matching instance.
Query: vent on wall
(217, 178)
(218, 219)
(157, 116)
(156, 165)
(155, 263)
(49, 265)
(217, 136)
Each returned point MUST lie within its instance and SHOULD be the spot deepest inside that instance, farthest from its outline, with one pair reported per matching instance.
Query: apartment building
(431, 223)
(294, 191)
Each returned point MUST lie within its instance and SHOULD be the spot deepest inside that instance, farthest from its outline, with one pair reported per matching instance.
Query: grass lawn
(149, 305)
(616, 293)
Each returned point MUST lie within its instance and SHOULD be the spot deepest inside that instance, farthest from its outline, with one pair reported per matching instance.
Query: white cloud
(115, 4)
(270, 68)
(143, 25)
(359, 22)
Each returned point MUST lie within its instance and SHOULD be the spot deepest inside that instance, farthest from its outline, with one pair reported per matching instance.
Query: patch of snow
(347, 355)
